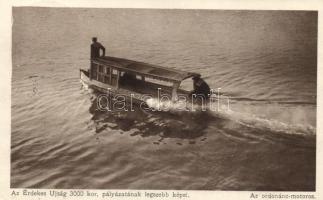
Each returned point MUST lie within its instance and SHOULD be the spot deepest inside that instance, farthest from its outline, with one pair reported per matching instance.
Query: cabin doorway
(143, 85)
(187, 85)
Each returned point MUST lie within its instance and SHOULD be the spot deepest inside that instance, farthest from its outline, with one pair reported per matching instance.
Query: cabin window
(101, 68)
(114, 72)
(107, 70)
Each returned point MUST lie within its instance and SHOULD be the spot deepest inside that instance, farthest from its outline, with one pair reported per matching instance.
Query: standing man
(95, 53)
(95, 48)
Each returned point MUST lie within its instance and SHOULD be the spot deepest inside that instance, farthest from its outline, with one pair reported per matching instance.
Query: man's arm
(103, 50)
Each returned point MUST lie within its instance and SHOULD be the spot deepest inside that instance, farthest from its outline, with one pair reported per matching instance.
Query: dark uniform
(95, 53)
(201, 87)
(95, 49)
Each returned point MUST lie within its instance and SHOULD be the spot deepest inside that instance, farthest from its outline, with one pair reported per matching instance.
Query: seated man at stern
(200, 87)
(95, 48)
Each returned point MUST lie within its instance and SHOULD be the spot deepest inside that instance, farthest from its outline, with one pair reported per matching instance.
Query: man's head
(196, 78)
(94, 39)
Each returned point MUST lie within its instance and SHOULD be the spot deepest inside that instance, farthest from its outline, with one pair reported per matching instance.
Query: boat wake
(258, 121)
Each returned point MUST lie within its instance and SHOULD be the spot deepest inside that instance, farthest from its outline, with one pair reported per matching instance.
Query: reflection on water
(185, 125)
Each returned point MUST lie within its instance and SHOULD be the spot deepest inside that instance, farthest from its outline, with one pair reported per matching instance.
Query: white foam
(254, 121)
(176, 106)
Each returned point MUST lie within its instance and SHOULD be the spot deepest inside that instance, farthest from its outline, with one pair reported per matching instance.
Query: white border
(5, 69)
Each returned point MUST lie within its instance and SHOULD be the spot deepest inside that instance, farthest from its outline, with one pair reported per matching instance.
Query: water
(264, 61)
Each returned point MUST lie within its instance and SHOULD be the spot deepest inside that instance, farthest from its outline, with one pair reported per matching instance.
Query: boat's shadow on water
(185, 125)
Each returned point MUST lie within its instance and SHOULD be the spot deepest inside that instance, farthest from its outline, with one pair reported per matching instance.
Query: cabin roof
(145, 69)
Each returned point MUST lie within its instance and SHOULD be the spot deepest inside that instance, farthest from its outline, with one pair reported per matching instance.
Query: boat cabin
(138, 77)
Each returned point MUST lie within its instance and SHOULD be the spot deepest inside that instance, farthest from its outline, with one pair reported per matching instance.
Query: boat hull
(109, 89)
